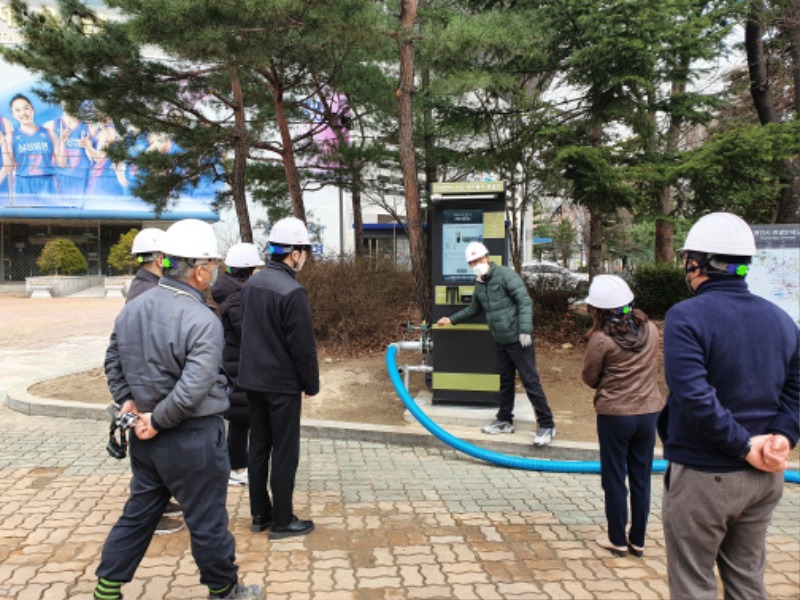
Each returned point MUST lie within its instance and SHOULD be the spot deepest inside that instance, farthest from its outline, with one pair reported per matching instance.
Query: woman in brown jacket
(621, 365)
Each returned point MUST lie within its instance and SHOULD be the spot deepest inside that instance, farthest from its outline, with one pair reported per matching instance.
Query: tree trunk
(595, 219)
(358, 221)
(789, 207)
(289, 163)
(595, 242)
(405, 130)
(757, 64)
(240, 149)
(665, 232)
(514, 233)
(791, 28)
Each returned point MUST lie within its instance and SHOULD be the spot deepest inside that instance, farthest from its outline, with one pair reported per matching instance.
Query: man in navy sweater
(732, 362)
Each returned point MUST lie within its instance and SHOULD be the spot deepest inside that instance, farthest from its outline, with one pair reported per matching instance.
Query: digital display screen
(459, 228)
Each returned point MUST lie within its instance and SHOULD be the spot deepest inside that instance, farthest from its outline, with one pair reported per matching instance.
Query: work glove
(525, 340)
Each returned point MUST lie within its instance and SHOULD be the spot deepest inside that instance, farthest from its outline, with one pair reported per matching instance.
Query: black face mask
(686, 270)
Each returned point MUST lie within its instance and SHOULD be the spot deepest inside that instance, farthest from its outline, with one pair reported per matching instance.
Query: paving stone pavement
(393, 521)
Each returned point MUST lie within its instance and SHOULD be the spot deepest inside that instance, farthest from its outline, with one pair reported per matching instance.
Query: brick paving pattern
(392, 523)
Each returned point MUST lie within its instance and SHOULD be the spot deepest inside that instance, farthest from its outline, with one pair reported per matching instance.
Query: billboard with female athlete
(54, 165)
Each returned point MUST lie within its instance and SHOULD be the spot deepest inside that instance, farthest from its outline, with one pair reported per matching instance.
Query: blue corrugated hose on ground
(504, 460)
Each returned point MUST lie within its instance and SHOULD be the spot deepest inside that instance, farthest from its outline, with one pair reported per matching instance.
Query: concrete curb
(413, 435)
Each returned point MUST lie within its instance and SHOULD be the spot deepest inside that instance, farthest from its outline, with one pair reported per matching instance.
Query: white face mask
(298, 266)
(480, 269)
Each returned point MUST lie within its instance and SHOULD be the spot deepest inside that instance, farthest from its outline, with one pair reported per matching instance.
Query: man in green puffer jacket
(502, 295)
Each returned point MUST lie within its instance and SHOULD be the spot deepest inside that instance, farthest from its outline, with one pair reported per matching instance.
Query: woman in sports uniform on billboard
(33, 153)
(73, 137)
(106, 178)
(6, 161)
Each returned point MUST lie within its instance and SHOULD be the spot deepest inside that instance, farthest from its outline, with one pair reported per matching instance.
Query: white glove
(525, 340)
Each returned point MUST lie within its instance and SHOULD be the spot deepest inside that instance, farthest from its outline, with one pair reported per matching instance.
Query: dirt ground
(359, 390)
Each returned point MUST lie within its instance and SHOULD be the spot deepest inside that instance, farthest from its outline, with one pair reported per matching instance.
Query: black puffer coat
(227, 293)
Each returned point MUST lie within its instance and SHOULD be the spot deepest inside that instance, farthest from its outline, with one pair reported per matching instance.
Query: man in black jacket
(241, 262)
(278, 363)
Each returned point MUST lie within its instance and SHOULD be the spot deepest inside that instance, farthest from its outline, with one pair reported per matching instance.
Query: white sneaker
(498, 427)
(544, 436)
(238, 478)
(244, 592)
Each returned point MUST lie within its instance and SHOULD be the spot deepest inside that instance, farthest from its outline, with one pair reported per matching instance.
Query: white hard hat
(290, 231)
(243, 255)
(475, 250)
(721, 233)
(609, 291)
(147, 241)
(191, 238)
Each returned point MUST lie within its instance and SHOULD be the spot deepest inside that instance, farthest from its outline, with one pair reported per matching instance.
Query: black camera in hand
(117, 445)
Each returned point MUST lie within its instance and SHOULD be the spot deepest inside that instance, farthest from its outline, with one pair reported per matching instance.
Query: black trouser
(513, 358)
(275, 436)
(189, 462)
(238, 433)
(626, 448)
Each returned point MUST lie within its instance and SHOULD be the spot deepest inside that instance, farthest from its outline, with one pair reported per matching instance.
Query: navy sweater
(732, 363)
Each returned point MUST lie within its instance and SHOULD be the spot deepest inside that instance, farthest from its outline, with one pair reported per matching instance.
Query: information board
(775, 271)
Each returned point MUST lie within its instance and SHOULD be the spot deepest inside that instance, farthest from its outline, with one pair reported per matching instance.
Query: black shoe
(173, 509)
(261, 524)
(167, 525)
(295, 527)
(637, 551)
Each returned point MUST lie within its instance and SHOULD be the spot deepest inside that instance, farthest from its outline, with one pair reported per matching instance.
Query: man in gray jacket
(163, 364)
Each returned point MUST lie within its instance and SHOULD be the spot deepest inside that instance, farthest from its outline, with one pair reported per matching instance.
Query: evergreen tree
(229, 82)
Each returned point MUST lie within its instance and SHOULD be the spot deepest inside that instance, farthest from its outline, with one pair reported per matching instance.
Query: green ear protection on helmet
(740, 270)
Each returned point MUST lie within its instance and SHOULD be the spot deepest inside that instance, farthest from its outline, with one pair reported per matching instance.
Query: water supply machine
(465, 369)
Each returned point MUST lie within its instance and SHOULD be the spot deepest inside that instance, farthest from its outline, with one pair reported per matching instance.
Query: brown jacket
(625, 380)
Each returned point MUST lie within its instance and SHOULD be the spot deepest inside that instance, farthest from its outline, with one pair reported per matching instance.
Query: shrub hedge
(359, 306)
(657, 288)
(61, 256)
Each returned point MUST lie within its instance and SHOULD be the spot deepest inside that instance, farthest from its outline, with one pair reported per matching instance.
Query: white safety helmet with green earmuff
(609, 292)
(191, 238)
(723, 244)
(243, 256)
(147, 243)
(721, 233)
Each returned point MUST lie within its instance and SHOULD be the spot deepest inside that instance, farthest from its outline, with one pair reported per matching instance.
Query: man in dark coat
(278, 364)
(241, 261)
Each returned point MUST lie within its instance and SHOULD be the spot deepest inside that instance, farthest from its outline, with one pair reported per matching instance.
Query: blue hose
(504, 460)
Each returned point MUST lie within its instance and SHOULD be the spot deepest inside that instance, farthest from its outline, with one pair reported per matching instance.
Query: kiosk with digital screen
(465, 369)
